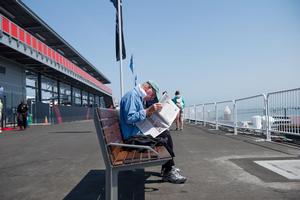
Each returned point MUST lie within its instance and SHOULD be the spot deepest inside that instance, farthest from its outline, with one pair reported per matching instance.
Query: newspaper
(160, 121)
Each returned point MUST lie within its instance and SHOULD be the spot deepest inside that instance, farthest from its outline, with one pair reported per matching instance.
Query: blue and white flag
(131, 64)
(132, 70)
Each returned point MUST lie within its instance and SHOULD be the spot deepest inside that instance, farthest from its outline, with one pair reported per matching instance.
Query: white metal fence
(276, 112)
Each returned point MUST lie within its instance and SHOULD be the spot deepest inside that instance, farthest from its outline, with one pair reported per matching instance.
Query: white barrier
(276, 112)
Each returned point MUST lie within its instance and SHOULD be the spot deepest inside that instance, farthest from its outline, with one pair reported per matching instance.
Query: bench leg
(111, 184)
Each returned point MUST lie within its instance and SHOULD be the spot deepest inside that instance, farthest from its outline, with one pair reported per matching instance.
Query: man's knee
(164, 134)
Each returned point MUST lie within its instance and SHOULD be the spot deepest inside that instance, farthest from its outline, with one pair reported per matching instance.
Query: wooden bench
(115, 157)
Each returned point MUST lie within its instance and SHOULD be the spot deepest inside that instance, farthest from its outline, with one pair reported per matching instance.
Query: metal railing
(268, 114)
(284, 107)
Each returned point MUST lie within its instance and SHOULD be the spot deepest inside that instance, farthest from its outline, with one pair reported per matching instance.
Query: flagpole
(120, 48)
(133, 71)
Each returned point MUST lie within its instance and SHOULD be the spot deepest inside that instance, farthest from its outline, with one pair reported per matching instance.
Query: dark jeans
(169, 146)
(22, 120)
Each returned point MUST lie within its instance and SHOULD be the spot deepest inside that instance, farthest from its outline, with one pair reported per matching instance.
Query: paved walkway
(63, 162)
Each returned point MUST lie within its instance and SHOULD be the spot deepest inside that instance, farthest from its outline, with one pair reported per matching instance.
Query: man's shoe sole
(175, 182)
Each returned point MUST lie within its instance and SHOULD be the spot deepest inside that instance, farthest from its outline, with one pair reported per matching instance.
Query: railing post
(187, 114)
(216, 111)
(234, 117)
(190, 114)
(204, 123)
(195, 113)
(266, 109)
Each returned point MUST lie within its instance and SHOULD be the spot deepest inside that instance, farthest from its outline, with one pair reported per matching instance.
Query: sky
(209, 50)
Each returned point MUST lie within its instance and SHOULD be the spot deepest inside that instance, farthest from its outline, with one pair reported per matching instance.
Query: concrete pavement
(64, 162)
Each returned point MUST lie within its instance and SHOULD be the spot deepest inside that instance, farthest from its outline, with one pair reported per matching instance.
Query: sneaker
(176, 169)
(174, 177)
(173, 168)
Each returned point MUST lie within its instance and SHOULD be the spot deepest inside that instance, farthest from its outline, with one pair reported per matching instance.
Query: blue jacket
(131, 112)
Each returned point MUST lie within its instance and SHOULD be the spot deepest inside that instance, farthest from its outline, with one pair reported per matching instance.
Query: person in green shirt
(179, 101)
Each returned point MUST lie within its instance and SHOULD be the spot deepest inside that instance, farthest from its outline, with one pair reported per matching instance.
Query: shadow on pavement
(154, 174)
(72, 132)
(92, 186)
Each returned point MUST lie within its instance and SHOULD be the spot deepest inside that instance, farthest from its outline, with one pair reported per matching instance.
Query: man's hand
(178, 105)
(154, 108)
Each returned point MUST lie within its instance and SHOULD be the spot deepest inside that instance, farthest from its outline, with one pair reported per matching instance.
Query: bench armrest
(134, 146)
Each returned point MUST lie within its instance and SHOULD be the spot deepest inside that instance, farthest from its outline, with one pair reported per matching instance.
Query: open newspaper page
(158, 122)
(169, 110)
(153, 125)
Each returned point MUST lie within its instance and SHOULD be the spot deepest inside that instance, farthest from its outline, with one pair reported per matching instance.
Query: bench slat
(120, 158)
(163, 152)
(109, 121)
(107, 113)
(133, 157)
(130, 156)
(126, 157)
(113, 134)
(114, 152)
(152, 154)
(145, 155)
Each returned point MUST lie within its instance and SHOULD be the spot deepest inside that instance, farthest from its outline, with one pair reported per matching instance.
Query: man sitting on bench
(133, 111)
